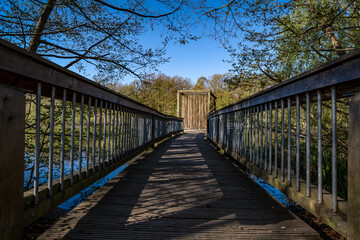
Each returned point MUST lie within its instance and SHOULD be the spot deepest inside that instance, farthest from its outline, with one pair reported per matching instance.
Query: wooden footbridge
(184, 189)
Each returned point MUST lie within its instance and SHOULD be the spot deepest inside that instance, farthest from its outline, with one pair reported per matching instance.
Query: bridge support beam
(353, 169)
(12, 138)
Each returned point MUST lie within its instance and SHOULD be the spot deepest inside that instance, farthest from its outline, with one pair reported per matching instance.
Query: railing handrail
(339, 71)
(36, 68)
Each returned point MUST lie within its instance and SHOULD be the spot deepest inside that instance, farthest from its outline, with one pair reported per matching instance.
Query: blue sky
(203, 57)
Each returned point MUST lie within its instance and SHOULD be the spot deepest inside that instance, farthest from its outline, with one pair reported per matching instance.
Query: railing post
(353, 219)
(12, 141)
(217, 130)
(153, 128)
(171, 126)
(178, 104)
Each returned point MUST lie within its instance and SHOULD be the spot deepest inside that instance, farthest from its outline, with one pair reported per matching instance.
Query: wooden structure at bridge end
(193, 106)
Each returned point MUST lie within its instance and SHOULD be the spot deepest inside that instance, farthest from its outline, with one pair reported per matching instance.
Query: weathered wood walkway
(183, 190)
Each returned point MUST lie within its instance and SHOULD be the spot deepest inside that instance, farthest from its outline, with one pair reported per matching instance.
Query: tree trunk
(35, 39)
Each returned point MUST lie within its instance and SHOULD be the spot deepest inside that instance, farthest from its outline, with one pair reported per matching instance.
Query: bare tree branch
(218, 8)
(138, 14)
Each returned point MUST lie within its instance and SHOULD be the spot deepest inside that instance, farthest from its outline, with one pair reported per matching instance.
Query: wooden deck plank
(183, 190)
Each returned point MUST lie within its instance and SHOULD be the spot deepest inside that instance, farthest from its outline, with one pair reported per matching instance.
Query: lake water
(44, 171)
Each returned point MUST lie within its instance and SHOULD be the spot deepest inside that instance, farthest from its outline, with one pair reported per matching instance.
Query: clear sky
(203, 57)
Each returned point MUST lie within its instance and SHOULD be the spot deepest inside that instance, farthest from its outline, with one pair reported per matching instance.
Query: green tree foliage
(156, 91)
(281, 39)
(225, 90)
(200, 84)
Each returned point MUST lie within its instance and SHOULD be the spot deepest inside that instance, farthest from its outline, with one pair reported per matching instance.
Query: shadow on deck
(183, 190)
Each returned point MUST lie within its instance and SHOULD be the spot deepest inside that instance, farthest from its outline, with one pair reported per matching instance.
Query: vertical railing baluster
(127, 131)
(128, 141)
(334, 150)
(282, 140)
(246, 140)
(238, 128)
(289, 141)
(37, 142)
(62, 147)
(123, 127)
(117, 154)
(120, 133)
(139, 130)
(104, 133)
(276, 140)
(261, 136)
(108, 136)
(251, 135)
(237, 132)
(122, 130)
(113, 133)
(308, 144)
(242, 133)
(319, 148)
(254, 135)
(146, 128)
(297, 142)
(88, 137)
(133, 119)
(130, 129)
(240, 136)
(136, 129)
(270, 139)
(94, 138)
(266, 138)
(142, 129)
(51, 140)
(81, 135)
(257, 135)
(100, 137)
(133, 132)
(72, 141)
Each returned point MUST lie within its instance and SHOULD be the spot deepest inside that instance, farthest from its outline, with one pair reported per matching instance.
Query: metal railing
(87, 126)
(280, 135)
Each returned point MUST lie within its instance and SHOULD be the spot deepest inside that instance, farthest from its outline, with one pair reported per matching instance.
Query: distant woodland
(159, 91)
